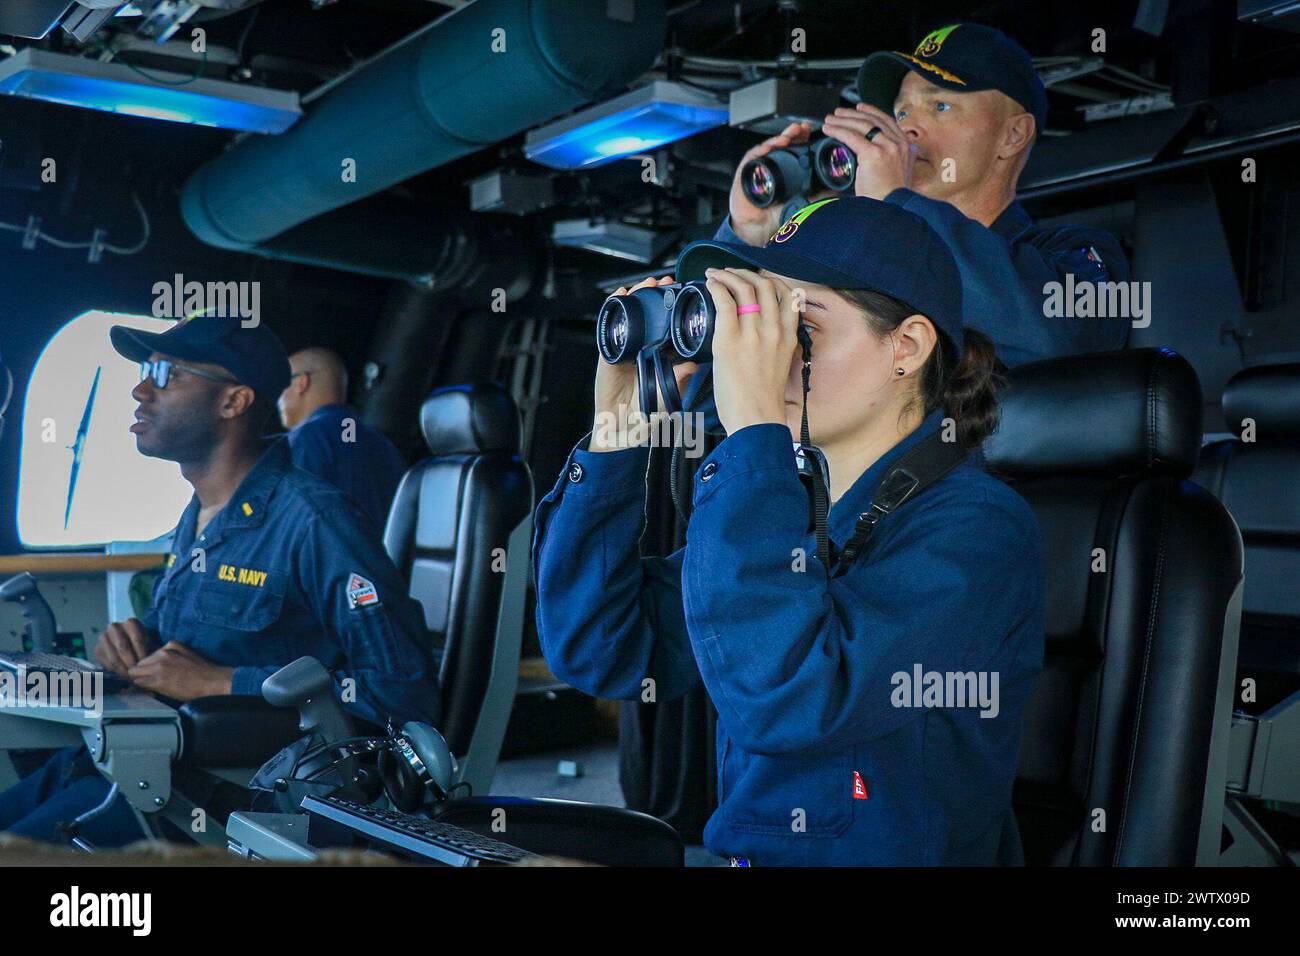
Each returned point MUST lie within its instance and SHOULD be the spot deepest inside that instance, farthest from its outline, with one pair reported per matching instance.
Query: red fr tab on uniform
(859, 787)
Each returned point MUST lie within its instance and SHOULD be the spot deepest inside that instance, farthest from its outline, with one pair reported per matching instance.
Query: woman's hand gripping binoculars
(619, 392)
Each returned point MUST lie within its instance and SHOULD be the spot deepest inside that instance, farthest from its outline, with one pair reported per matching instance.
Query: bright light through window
(116, 494)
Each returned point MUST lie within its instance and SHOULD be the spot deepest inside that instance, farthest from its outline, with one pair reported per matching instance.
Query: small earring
(901, 371)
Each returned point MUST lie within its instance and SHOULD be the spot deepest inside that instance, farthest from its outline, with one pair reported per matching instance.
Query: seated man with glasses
(269, 563)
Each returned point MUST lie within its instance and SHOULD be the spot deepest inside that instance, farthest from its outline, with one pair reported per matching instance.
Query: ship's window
(81, 481)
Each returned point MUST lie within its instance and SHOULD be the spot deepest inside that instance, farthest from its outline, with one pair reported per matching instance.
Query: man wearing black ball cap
(269, 563)
(944, 131)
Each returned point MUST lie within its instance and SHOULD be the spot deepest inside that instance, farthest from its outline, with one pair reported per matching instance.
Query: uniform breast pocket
(241, 607)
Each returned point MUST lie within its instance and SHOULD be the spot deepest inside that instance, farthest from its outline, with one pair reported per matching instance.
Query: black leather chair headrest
(1110, 413)
(470, 420)
(1269, 394)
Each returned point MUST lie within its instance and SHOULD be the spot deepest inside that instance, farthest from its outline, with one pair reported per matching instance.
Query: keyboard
(443, 842)
(39, 662)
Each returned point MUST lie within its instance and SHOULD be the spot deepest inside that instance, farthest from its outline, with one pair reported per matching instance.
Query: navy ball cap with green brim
(964, 58)
(851, 243)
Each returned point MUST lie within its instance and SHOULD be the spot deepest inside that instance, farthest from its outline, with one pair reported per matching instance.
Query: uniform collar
(326, 411)
(844, 513)
(1012, 222)
(247, 506)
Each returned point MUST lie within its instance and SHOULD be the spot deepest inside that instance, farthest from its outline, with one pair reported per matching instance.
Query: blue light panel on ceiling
(643, 125)
(93, 85)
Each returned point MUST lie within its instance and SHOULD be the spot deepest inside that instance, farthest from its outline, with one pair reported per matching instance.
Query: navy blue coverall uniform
(1004, 267)
(818, 761)
(285, 569)
(368, 467)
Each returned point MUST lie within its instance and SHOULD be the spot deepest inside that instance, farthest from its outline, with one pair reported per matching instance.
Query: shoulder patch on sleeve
(1085, 262)
(361, 592)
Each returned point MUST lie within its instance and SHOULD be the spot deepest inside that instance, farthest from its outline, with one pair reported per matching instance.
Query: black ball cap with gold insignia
(965, 57)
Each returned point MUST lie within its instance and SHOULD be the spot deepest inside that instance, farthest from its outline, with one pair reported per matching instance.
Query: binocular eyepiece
(677, 317)
(785, 173)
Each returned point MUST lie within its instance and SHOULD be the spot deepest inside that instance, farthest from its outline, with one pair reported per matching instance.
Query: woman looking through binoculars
(839, 740)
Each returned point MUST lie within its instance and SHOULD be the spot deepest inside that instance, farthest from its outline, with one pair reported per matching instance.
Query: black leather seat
(1124, 753)
(459, 530)
(1257, 481)
(458, 520)
(1255, 476)
(450, 516)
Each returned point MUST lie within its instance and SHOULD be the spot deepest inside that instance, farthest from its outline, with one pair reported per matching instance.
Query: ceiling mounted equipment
(611, 239)
(644, 119)
(1279, 14)
(116, 88)
(770, 105)
(483, 74)
(80, 19)
(31, 18)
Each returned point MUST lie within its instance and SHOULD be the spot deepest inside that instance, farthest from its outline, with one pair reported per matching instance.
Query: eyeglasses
(160, 370)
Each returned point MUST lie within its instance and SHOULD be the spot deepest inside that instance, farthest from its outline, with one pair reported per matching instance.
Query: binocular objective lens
(618, 334)
(613, 323)
(760, 184)
(692, 322)
(839, 166)
(695, 324)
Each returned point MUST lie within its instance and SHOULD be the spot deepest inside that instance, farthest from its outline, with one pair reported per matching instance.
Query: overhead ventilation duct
(485, 73)
(439, 248)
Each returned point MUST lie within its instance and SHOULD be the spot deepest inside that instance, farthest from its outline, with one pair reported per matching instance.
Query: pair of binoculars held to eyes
(784, 174)
(658, 327)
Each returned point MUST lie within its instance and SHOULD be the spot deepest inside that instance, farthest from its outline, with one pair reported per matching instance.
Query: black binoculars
(658, 327)
(679, 315)
(785, 173)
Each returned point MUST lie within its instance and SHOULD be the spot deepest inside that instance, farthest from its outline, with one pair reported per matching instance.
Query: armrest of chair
(234, 731)
(1264, 751)
(612, 836)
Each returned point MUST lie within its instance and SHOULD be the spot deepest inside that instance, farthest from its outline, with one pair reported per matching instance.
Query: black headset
(416, 762)
(411, 765)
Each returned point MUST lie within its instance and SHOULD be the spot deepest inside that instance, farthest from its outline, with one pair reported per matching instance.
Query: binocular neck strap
(663, 367)
(821, 494)
(925, 463)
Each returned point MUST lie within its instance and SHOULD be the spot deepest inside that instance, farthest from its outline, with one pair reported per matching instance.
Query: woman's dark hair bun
(970, 390)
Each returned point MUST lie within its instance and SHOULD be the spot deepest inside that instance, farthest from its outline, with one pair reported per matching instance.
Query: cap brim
(699, 256)
(882, 73)
(137, 346)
